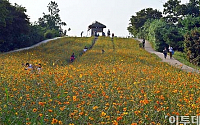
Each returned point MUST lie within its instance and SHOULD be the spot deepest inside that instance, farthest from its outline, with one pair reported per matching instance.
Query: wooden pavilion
(96, 28)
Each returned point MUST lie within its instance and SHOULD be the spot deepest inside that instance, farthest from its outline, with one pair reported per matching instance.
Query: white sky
(79, 14)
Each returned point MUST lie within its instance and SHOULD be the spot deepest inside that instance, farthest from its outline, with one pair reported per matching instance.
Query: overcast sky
(79, 14)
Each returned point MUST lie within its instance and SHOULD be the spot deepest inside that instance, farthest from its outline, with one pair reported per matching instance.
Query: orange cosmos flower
(103, 114)
(134, 124)
(60, 122)
(89, 95)
(95, 107)
(162, 97)
(50, 110)
(124, 109)
(62, 108)
(67, 103)
(91, 118)
(74, 98)
(42, 103)
(34, 110)
(54, 121)
(115, 122)
(119, 118)
(71, 115)
(81, 113)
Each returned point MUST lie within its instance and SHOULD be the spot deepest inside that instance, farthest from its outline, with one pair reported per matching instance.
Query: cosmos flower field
(125, 85)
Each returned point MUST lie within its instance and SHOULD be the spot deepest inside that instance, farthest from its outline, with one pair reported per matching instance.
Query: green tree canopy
(172, 10)
(189, 23)
(155, 34)
(14, 22)
(3, 13)
(52, 21)
(173, 37)
(136, 22)
(193, 8)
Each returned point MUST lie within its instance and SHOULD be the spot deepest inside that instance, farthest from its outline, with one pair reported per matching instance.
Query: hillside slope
(123, 85)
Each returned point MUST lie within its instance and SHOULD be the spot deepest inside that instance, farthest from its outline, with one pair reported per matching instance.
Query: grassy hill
(124, 85)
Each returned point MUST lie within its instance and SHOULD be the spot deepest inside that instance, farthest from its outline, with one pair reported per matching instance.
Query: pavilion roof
(97, 24)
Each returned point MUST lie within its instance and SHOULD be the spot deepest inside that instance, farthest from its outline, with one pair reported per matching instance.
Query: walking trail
(45, 41)
(26, 48)
(172, 61)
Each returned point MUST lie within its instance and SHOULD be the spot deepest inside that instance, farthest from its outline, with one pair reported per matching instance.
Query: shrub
(192, 46)
(155, 34)
(51, 33)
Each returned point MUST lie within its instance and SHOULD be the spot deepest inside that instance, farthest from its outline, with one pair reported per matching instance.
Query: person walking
(143, 42)
(113, 35)
(165, 52)
(108, 33)
(170, 51)
(82, 34)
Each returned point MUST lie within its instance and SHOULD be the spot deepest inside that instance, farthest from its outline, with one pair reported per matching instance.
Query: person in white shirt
(85, 49)
(170, 51)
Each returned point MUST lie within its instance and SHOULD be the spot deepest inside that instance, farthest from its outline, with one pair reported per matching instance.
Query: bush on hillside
(156, 31)
(173, 37)
(51, 34)
(192, 46)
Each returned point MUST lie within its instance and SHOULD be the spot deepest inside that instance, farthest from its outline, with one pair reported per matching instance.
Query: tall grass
(182, 57)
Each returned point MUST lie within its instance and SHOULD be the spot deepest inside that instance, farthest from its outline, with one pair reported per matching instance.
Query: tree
(15, 24)
(155, 34)
(3, 13)
(144, 30)
(136, 22)
(189, 23)
(171, 10)
(52, 21)
(173, 37)
(175, 11)
(193, 8)
(53, 8)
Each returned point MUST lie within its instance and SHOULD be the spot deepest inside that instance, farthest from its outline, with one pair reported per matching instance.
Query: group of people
(72, 58)
(108, 34)
(95, 33)
(171, 52)
(31, 67)
(165, 51)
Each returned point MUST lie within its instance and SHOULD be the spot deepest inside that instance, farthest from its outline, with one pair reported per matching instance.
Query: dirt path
(172, 61)
(26, 48)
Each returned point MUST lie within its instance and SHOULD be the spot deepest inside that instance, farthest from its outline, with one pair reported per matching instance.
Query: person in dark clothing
(108, 33)
(165, 53)
(81, 33)
(113, 35)
(103, 51)
(143, 43)
(72, 57)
